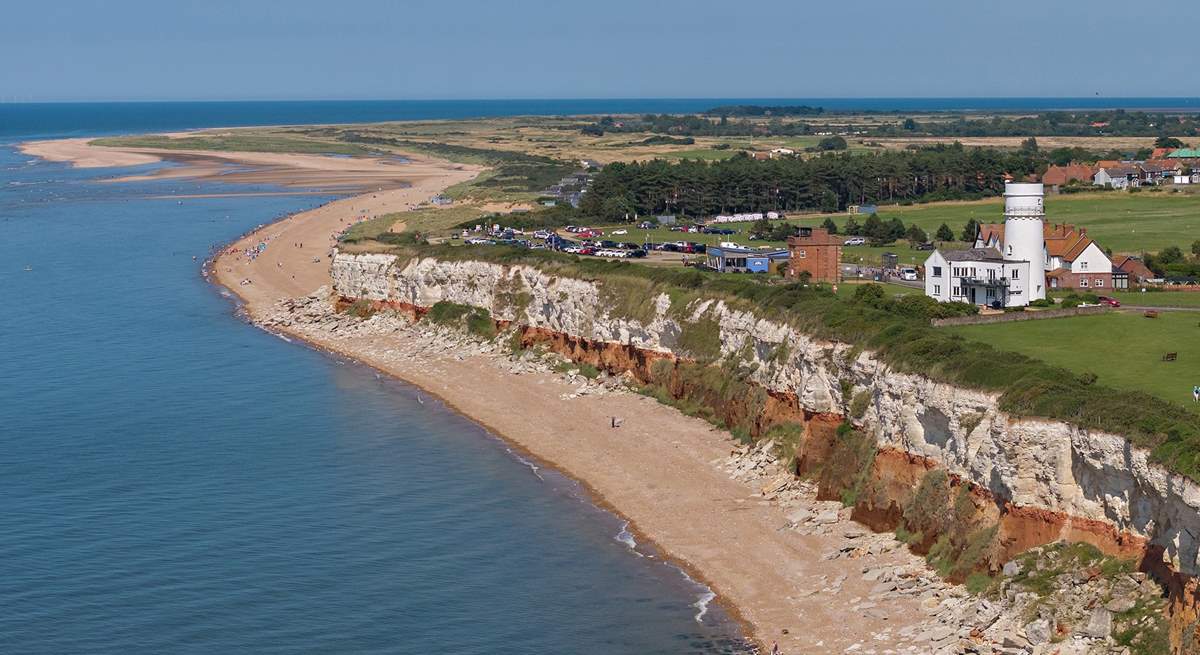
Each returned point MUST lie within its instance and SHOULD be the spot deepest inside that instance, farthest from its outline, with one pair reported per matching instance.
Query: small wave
(282, 336)
(702, 605)
(706, 595)
(537, 470)
(626, 537)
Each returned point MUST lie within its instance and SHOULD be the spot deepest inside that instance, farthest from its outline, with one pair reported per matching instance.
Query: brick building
(816, 251)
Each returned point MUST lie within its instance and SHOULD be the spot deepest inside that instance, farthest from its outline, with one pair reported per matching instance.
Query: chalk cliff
(1042, 480)
(1032, 464)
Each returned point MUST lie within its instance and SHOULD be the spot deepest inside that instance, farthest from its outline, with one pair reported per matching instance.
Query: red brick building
(815, 251)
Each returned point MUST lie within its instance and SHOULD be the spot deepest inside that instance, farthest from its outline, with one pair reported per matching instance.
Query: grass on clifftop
(898, 330)
(1123, 349)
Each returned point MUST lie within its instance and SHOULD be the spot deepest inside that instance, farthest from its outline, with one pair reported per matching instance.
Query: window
(800, 254)
(1010, 250)
(955, 291)
(1099, 283)
(1015, 272)
(1083, 282)
(991, 294)
(937, 271)
(1083, 265)
(937, 289)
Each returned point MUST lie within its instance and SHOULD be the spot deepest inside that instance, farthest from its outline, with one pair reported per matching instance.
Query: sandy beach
(661, 470)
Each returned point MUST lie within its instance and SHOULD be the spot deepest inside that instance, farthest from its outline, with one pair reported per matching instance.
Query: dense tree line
(724, 121)
(828, 182)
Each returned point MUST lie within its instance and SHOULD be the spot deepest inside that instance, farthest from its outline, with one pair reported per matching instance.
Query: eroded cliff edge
(1036, 481)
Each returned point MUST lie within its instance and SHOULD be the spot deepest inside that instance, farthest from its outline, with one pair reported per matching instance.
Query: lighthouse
(1024, 237)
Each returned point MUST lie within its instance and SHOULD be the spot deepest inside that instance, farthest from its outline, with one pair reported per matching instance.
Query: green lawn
(847, 289)
(1123, 349)
(1124, 222)
(1150, 299)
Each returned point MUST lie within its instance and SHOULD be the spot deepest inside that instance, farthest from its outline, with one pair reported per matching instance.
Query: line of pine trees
(827, 183)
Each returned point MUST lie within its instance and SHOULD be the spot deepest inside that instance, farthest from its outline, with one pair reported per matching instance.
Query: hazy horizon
(90, 51)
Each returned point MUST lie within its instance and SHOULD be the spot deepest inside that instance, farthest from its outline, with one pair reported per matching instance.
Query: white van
(909, 274)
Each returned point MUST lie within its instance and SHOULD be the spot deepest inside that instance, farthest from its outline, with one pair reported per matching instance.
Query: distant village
(1165, 166)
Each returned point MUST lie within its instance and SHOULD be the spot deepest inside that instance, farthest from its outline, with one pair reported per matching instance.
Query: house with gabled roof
(1057, 176)
(1072, 259)
(1120, 176)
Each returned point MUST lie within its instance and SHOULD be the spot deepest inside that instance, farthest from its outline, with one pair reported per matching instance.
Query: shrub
(850, 463)
(860, 403)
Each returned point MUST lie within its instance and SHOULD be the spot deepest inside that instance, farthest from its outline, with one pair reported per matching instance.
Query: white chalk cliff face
(1036, 464)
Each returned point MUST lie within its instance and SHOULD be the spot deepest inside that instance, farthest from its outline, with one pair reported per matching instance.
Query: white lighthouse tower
(1024, 239)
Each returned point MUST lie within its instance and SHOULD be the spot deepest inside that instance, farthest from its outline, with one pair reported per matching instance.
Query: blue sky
(302, 49)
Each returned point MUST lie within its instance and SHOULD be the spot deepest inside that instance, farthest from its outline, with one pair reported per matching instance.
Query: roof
(974, 255)
(1061, 240)
(1121, 170)
(815, 236)
(1065, 241)
(989, 231)
(1064, 174)
(1185, 153)
(1159, 165)
(1133, 266)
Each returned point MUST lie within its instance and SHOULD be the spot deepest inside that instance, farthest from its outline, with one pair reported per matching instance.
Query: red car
(1111, 302)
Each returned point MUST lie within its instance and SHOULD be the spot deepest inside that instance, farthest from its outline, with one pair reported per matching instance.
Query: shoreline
(746, 629)
(774, 583)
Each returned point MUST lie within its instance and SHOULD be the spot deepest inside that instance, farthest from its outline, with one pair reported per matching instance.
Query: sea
(176, 480)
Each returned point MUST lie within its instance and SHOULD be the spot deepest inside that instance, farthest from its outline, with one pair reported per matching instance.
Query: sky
(90, 50)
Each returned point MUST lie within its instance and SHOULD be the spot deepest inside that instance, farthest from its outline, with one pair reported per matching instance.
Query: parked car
(1107, 300)
(909, 274)
(619, 232)
(542, 234)
(855, 241)
(645, 225)
(924, 246)
(477, 241)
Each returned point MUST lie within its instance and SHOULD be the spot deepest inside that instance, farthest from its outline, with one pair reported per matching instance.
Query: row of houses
(1018, 261)
(1165, 166)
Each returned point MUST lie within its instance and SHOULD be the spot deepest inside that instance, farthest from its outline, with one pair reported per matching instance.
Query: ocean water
(34, 120)
(175, 480)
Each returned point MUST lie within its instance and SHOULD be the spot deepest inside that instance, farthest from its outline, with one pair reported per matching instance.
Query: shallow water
(174, 480)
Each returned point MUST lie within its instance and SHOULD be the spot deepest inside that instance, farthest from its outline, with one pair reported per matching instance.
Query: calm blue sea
(173, 480)
(75, 119)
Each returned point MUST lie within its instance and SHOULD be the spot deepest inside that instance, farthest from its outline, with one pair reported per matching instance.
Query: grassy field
(1150, 299)
(1123, 349)
(847, 289)
(362, 235)
(1124, 222)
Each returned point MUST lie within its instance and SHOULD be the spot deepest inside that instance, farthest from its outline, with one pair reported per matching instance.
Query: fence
(1009, 317)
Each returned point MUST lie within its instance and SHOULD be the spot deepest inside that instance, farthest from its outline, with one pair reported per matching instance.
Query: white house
(1117, 177)
(980, 276)
(1007, 267)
